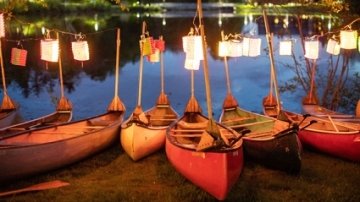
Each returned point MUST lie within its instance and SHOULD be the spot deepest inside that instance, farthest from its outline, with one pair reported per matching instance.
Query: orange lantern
(285, 47)
(251, 47)
(18, 57)
(235, 48)
(192, 46)
(147, 46)
(80, 50)
(348, 39)
(155, 57)
(2, 25)
(49, 50)
(333, 47)
(312, 49)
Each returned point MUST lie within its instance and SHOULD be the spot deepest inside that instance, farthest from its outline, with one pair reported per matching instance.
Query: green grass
(112, 176)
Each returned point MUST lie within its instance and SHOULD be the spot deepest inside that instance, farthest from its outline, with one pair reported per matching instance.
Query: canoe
(215, 170)
(143, 133)
(327, 136)
(7, 117)
(54, 118)
(39, 150)
(271, 142)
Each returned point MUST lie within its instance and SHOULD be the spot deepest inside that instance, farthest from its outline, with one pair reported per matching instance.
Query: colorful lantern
(348, 39)
(49, 50)
(285, 47)
(160, 44)
(251, 47)
(191, 64)
(2, 25)
(312, 49)
(333, 47)
(147, 46)
(193, 47)
(155, 57)
(18, 57)
(80, 50)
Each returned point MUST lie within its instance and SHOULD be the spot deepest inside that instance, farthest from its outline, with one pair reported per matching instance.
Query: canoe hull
(8, 118)
(346, 146)
(139, 141)
(214, 172)
(281, 153)
(21, 161)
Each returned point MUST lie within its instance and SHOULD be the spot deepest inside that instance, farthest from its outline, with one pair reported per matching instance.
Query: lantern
(18, 57)
(191, 64)
(312, 49)
(147, 46)
(251, 46)
(80, 50)
(155, 57)
(160, 44)
(2, 25)
(348, 39)
(193, 47)
(49, 50)
(235, 48)
(333, 47)
(285, 47)
(224, 48)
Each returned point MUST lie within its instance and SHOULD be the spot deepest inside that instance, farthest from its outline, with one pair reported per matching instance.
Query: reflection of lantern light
(251, 47)
(2, 25)
(155, 57)
(348, 39)
(333, 47)
(191, 64)
(312, 49)
(285, 47)
(18, 57)
(193, 47)
(80, 50)
(49, 50)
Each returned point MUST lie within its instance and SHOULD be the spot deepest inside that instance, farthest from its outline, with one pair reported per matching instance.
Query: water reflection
(91, 88)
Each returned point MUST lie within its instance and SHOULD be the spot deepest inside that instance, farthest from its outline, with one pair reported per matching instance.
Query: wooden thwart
(251, 124)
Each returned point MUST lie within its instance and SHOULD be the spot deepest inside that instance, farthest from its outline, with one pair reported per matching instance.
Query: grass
(112, 176)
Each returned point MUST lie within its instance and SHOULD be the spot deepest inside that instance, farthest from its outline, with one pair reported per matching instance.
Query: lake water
(91, 87)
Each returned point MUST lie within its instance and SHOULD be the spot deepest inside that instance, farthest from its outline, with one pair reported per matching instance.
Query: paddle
(37, 187)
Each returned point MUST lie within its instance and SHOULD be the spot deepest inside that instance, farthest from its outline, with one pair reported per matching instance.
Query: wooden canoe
(39, 150)
(7, 117)
(143, 133)
(215, 170)
(328, 136)
(271, 142)
(54, 118)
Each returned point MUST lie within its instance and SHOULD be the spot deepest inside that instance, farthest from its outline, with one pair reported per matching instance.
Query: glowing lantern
(49, 50)
(147, 46)
(18, 57)
(193, 47)
(285, 47)
(348, 39)
(155, 57)
(333, 47)
(2, 25)
(80, 50)
(312, 49)
(236, 48)
(160, 44)
(251, 47)
(191, 64)
(224, 48)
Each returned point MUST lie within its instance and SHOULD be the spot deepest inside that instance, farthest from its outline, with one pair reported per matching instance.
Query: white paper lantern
(348, 39)
(312, 49)
(333, 47)
(236, 48)
(285, 47)
(49, 50)
(251, 47)
(224, 47)
(193, 47)
(2, 25)
(80, 50)
(191, 64)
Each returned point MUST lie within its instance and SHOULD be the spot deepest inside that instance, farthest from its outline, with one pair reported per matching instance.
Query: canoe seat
(251, 124)
(239, 119)
(189, 125)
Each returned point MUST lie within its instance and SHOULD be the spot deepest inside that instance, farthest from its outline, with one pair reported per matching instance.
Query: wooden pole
(272, 63)
(226, 68)
(60, 68)
(162, 68)
(141, 66)
(117, 63)
(2, 70)
(205, 62)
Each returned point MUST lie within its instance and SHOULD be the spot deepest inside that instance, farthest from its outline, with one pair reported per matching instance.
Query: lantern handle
(80, 36)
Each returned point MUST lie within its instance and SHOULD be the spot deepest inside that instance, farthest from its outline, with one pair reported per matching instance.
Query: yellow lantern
(333, 47)
(251, 47)
(348, 39)
(193, 47)
(80, 50)
(191, 64)
(49, 50)
(285, 47)
(2, 25)
(224, 48)
(155, 57)
(236, 48)
(312, 49)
